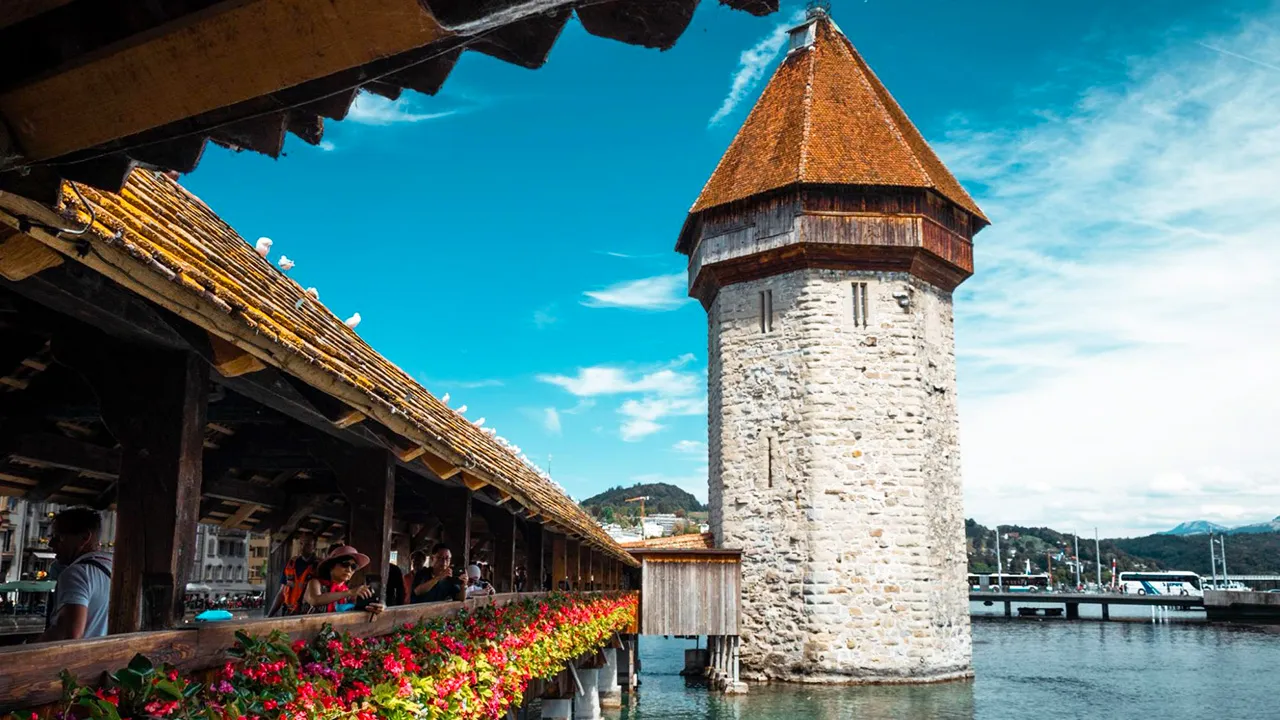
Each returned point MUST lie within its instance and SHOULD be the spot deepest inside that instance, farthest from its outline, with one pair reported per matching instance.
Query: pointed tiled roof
(825, 118)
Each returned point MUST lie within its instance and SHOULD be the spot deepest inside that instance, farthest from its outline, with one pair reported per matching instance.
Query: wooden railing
(29, 673)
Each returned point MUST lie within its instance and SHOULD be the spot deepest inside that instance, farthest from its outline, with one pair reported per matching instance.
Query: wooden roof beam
(239, 51)
(22, 256)
(56, 451)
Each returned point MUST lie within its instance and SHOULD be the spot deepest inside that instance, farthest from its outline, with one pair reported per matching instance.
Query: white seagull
(480, 422)
(462, 410)
(285, 263)
(353, 321)
(313, 293)
(445, 399)
(264, 246)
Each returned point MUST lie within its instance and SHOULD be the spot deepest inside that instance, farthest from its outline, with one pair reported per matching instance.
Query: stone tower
(825, 248)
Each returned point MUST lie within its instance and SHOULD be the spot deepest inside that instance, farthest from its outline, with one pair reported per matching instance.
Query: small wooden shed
(688, 587)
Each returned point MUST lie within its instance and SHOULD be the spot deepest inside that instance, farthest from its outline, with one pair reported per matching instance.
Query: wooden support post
(1008, 609)
(1073, 611)
(573, 569)
(277, 556)
(503, 526)
(367, 478)
(559, 561)
(591, 578)
(455, 515)
(533, 568)
(154, 404)
(1106, 611)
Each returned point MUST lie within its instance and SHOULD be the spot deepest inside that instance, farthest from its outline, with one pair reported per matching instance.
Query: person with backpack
(293, 584)
(83, 591)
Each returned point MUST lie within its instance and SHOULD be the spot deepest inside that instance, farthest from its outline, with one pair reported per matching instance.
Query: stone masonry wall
(835, 468)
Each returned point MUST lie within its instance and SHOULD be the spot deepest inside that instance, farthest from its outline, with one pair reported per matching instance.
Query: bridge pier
(1008, 609)
(1106, 611)
(1073, 611)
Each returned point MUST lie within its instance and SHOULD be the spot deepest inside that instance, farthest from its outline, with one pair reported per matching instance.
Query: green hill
(1045, 548)
(663, 498)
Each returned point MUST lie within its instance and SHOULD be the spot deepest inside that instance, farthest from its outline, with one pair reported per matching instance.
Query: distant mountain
(1196, 527)
(1265, 527)
(663, 498)
(1204, 527)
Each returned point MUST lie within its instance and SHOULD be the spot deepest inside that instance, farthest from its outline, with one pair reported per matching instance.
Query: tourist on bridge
(436, 582)
(328, 591)
(297, 572)
(476, 585)
(84, 584)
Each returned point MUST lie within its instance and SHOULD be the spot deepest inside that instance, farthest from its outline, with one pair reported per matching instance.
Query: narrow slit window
(769, 460)
(861, 313)
(766, 311)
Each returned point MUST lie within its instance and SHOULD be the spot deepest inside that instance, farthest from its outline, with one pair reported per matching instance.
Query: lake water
(1025, 668)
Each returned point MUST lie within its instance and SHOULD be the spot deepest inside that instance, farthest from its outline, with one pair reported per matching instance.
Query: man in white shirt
(84, 585)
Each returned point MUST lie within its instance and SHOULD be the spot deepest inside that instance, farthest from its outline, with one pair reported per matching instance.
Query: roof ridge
(879, 103)
(807, 111)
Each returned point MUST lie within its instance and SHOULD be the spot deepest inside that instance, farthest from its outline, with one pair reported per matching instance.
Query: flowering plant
(470, 666)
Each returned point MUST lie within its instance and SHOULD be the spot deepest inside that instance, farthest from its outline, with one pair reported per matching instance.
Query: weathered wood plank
(22, 256)
(246, 50)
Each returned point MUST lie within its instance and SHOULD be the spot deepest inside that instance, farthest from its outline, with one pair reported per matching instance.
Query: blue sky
(509, 242)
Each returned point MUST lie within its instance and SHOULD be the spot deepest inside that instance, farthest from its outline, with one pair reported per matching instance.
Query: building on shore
(825, 248)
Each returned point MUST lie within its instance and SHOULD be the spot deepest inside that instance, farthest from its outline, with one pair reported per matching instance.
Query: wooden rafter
(195, 65)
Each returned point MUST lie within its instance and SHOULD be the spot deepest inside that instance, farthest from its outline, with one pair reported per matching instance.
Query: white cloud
(543, 317)
(642, 415)
(690, 446)
(1119, 345)
(612, 380)
(370, 109)
(551, 420)
(663, 292)
(665, 391)
(752, 65)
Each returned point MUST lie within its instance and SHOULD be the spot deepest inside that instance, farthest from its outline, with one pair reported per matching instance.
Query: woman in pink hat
(327, 590)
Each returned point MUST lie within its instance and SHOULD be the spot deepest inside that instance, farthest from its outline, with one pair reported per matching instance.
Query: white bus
(1172, 582)
(1009, 582)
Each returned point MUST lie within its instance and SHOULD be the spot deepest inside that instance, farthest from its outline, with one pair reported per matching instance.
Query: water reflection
(1053, 669)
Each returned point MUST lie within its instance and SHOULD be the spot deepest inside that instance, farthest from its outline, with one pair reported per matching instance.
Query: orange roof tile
(696, 541)
(174, 250)
(825, 118)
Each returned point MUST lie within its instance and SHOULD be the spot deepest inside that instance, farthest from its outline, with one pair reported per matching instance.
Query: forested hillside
(1048, 549)
(663, 498)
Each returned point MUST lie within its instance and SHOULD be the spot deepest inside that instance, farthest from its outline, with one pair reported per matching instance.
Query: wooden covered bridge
(152, 362)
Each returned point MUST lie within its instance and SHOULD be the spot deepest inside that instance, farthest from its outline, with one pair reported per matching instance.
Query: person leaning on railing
(327, 590)
(436, 582)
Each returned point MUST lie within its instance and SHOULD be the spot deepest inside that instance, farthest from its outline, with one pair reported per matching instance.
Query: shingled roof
(162, 242)
(826, 119)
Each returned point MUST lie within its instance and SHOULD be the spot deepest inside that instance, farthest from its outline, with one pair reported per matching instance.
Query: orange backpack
(296, 584)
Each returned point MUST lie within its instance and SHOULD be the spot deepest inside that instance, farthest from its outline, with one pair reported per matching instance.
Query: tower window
(861, 311)
(769, 469)
(766, 311)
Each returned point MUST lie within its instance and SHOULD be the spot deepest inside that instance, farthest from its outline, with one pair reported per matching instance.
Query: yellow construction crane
(640, 500)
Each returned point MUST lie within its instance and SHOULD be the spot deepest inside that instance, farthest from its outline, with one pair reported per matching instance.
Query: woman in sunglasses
(327, 590)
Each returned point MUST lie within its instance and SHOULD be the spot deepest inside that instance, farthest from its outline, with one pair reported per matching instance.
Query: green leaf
(192, 689)
(141, 664)
(130, 680)
(168, 690)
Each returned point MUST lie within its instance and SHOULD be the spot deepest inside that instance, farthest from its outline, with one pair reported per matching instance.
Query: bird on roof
(313, 293)
(445, 399)
(462, 410)
(480, 422)
(264, 246)
(352, 321)
(285, 263)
